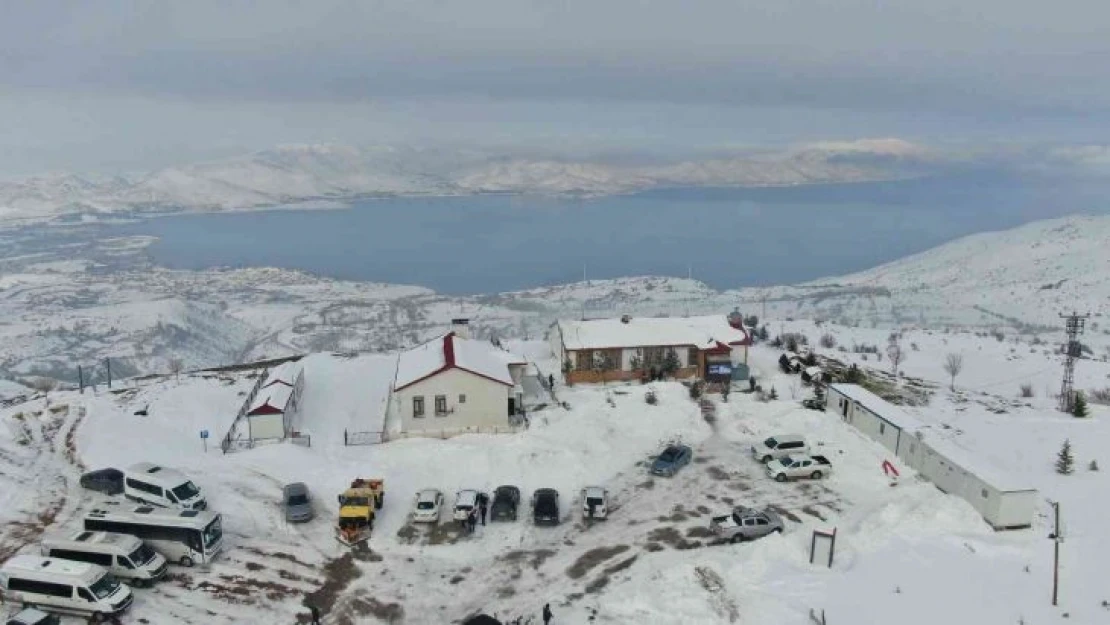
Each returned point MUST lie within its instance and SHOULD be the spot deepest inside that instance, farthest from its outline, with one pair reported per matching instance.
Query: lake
(725, 237)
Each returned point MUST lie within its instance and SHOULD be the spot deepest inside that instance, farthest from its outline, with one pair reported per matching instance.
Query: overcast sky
(112, 85)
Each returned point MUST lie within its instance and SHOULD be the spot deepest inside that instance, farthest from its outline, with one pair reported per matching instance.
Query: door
(844, 408)
(512, 406)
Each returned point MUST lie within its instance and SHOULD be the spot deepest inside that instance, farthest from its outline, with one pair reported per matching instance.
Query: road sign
(204, 433)
(204, 439)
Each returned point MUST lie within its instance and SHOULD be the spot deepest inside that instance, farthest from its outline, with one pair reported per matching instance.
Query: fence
(239, 444)
(229, 440)
(376, 438)
(363, 438)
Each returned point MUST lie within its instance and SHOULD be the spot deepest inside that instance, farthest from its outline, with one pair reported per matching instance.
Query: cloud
(545, 70)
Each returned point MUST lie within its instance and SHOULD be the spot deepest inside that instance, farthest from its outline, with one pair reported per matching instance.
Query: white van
(63, 586)
(780, 446)
(123, 555)
(161, 486)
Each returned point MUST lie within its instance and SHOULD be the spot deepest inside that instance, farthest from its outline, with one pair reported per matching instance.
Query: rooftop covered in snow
(892, 414)
(974, 462)
(702, 332)
(452, 352)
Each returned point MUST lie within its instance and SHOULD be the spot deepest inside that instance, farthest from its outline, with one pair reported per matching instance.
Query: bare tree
(175, 367)
(896, 355)
(953, 365)
(43, 385)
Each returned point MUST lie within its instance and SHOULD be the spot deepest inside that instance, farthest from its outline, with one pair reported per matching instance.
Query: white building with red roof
(455, 384)
(274, 407)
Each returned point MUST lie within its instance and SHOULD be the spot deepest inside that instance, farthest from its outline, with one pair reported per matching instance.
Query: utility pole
(108, 366)
(763, 314)
(81, 379)
(1072, 351)
(1057, 538)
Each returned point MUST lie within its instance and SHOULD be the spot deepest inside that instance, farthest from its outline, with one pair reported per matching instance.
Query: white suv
(465, 502)
(595, 502)
(780, 446)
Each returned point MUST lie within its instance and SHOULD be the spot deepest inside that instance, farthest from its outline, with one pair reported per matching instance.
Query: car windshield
(668, 455)
(104, 586)
(771, 443)
(298, 500)
(186, 491)
(463, 506)
(594, 501)
(425, 505)
(142, 555)
(213, 533)
(356, 501)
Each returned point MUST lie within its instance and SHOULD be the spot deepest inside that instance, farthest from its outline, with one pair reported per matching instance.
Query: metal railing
(239, 444)
(362, 438)
(228, 442)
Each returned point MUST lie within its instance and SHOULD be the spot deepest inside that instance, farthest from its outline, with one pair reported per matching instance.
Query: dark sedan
(545, 507)
(506, 499)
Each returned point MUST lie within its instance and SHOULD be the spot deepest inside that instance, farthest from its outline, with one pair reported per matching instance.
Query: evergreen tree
(670, 363)
(773, 394)
(1065, 462)
(819, 393)
(1079, 408)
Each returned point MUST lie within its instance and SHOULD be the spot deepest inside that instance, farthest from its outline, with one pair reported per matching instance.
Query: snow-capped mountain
(301, 173)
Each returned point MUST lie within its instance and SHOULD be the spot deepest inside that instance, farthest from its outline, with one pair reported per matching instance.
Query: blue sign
(722, 370)
(204, 433)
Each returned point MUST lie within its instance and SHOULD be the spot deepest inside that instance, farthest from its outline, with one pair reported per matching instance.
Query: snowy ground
(907, 554)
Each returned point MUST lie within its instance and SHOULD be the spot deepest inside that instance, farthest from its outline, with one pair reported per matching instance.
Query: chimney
(461, 328)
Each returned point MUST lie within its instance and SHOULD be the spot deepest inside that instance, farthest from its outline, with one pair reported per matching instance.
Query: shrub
(1026, 390)
(651, 398)
(695, 390)
(773, 394)
(1093, 466)
(828, 341)
(1101, 396)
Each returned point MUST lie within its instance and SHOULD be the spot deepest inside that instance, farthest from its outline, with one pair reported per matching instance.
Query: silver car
(745, 524)
(296, 503)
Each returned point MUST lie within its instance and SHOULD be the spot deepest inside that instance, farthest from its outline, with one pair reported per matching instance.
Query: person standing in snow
(551, 381)
(483, 502)
(315, 614)
(546, 613)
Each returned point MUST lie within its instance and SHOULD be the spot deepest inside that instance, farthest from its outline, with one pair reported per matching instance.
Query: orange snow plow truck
(357, 507)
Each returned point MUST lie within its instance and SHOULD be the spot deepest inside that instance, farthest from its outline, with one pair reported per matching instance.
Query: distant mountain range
(305, 173)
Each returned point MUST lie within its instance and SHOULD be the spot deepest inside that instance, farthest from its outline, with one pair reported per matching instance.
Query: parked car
(506, 500)
(791, 467)
(427, 506)
(673, 458)
(107, 481)
(745, 524)
(595, 502)
(296, 503)
(465, 501)
(31, 616)
(545, 507)
(814, 404)
(779, 446)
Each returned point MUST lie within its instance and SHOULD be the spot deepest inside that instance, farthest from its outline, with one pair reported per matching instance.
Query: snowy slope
(904, 554)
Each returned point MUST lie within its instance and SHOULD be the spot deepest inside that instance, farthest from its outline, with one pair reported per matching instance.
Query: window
(761, 521)
(85, 594)
(584, 360)
(103, 559)
(749, 522)
(40, 588)
(985, 493)
(124, 562)
(794, 445)
(418, 406)
(462, 398)
(144, 487)
(882, 428)
(441, 405)
(692, 357)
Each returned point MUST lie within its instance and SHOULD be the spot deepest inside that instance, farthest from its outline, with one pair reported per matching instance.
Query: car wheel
(781, 477)
(739, 538)
(778, 530)
(815, 475)
(186, 561)
(766, 459)
(96, 617)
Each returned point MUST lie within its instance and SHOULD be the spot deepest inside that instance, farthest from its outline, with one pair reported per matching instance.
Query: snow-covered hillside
(79, 302)
(904, 553)
(307, 174)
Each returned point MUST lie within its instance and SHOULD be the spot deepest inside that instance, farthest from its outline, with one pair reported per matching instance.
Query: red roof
(452, 352)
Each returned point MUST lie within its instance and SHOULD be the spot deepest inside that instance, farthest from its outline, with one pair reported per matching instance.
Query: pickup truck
(745, 524)
(797, 466)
